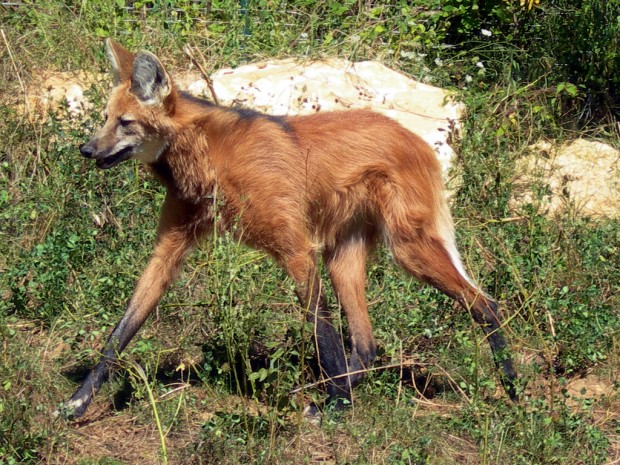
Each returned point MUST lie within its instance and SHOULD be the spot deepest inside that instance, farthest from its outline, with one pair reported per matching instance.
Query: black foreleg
(175, 239)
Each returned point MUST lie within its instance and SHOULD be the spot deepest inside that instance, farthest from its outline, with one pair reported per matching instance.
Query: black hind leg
(346, 263)
(331, 355)
(485, 313)
(428, 260)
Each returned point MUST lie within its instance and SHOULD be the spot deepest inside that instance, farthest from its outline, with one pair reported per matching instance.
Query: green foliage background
(73, 241)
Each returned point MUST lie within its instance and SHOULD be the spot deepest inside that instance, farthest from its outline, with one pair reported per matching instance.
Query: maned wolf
(328, 184)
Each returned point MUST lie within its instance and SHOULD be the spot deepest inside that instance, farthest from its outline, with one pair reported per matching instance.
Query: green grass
(226, 352)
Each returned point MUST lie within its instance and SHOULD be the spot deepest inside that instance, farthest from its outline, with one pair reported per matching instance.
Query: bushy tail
(445, 230)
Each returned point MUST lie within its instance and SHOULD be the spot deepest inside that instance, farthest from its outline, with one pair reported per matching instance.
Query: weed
(227, 356)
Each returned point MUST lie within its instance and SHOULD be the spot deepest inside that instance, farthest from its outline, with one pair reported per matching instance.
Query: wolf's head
(137, 113)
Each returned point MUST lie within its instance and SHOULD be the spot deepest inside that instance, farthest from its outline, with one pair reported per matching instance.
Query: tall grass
(227, 350)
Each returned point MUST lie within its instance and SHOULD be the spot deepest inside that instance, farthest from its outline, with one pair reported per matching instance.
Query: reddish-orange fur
(297, 187)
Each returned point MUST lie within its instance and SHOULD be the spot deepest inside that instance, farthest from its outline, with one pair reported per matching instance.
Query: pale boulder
(581, 175)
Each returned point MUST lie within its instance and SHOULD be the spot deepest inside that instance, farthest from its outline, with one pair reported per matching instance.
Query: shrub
(570, 49)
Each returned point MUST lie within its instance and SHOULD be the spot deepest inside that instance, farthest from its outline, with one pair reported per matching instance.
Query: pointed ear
(149, 80)
(121, 59)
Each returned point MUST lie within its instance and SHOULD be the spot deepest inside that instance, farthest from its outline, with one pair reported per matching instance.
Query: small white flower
(486, 32)
(468, 78)
(480, 65)
(438, 61)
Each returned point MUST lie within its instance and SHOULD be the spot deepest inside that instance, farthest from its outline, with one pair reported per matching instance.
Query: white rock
(583, 175)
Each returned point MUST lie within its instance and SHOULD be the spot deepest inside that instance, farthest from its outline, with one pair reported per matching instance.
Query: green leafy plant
(227, 356)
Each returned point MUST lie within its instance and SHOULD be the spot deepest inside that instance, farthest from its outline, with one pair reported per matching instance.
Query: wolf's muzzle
(87, 150)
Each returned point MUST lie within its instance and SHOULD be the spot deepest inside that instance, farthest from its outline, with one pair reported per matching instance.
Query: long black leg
(486, 314)
(330, 351)
(175, 239)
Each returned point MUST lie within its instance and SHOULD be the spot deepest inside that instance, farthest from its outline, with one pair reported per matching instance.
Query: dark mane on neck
(197, 100)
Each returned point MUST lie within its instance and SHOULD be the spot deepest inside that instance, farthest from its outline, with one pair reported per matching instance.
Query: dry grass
(390, 418)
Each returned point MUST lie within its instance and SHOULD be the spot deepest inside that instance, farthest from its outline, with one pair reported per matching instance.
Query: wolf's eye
(125, 121)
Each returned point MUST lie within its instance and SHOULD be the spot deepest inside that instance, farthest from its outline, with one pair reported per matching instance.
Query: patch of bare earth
(119, 436)
(595, 393)
(57, 92)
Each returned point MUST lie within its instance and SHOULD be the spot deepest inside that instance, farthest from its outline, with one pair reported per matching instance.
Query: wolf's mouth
(112, 160)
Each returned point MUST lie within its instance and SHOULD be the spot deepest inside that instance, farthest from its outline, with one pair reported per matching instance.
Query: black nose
(87, 150)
